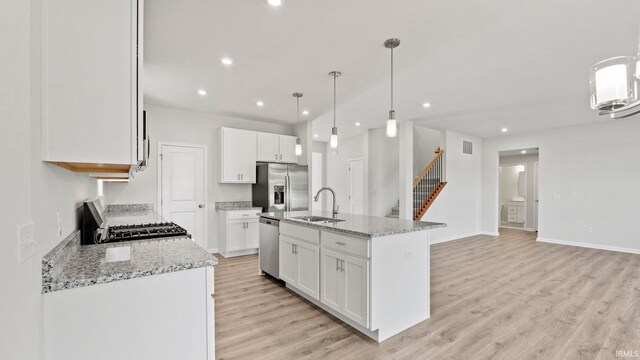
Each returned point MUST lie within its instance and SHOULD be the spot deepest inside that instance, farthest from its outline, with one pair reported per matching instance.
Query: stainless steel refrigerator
(281, 187)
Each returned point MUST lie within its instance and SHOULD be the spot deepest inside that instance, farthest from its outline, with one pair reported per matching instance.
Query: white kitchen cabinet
(238, 232)
(345, 285)
(161, 317)
(288, 149)
(92, 86)
(379, 286)
(300, 265)
(276, 148)
(238, 155)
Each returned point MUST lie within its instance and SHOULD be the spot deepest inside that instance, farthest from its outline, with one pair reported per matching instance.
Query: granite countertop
(71, 265)
(236, 205)
(358, 225)
(131, 214)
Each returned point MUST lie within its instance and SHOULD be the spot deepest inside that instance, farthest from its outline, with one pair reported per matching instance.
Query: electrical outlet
(556, 196)
(408, 254)
(26, 242)
(59, 225)
(590, 229)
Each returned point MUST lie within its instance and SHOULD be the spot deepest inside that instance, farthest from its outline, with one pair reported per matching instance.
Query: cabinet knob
(201, 206)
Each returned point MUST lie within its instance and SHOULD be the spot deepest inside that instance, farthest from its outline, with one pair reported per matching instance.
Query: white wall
(29, 189)
(337, 169)
(528, 160)
(182, 126)
(588, 177)
(383, 172)
(458, 204)
(425, 142)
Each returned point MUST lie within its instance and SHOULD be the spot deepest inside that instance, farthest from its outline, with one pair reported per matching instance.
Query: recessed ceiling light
(202, 92)
(227, 61)
(259, 103)
(274, 2)
(523, 152)
(315, 135)
(426, 105)
(504, 129)
(357, 124)
(305, 112)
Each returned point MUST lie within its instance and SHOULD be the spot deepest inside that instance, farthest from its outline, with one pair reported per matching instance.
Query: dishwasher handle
(269, 222)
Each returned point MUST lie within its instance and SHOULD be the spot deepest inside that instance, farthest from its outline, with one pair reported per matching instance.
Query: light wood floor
(492, 298)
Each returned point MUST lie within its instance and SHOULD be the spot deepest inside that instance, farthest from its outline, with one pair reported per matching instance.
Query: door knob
(201, 206)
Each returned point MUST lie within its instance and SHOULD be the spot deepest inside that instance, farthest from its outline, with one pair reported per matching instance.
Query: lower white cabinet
(239, 232)
(515, 212)
(159, 317)
(345, 285)
(300, 265)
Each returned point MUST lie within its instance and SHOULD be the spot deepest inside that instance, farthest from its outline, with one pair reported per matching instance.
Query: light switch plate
(26, 241)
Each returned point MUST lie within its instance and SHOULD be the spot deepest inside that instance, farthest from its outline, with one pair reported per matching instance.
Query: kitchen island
(145, 299)
(372, 273)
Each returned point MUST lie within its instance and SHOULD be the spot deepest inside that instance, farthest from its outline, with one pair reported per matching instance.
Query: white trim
(517, 228)
(212, 251)
(590, 246)
(205, 174)
(462, 236)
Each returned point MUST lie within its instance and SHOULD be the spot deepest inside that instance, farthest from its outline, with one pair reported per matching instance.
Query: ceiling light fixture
(305, 112)
(504, 129)
(333, 142)
(614, 86)
(259, 103)
(202, 92)
(426, 105)
(227, 61)
(298, 142)
(523, 152)
(274, 2)
(392, 124)
(357, 124)
(315, 135)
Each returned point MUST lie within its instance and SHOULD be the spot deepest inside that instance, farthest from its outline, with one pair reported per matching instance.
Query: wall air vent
(467, 147)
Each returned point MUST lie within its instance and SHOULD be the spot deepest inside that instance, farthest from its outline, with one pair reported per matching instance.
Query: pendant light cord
(334, 100)
(392, 79)
(298, 113)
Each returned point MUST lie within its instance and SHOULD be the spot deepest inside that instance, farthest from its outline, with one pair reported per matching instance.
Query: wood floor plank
(505, 297)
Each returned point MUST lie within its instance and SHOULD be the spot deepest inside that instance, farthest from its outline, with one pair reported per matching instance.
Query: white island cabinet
(377, 281)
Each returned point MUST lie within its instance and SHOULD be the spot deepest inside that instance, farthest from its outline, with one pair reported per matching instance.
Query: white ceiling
(482, 65)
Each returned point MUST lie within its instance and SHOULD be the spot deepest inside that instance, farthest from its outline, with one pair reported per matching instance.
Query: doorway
(356, 186)
(517, 189)
(182, 191)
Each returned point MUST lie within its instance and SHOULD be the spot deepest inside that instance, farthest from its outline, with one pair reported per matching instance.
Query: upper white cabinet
(238, 155)
(92, 89)
(276, 148)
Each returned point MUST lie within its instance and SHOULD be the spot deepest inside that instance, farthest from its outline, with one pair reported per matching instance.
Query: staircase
(428, 185)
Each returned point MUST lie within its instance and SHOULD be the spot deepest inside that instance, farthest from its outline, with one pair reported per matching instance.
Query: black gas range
(144, 231)
(95, 231)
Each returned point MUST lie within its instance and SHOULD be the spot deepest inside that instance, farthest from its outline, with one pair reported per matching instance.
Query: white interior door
(182, 189)
(356, 186)
(316, 179)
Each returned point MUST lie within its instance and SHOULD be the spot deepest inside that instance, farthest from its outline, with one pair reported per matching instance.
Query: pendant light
(392, 124)
(298, 142)
(333, 143)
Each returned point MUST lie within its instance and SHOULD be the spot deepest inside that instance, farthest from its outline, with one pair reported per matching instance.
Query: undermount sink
(317, 219)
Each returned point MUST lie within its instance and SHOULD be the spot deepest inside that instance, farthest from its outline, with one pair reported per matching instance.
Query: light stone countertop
(236, 205)
(70, 265)
(358, 225)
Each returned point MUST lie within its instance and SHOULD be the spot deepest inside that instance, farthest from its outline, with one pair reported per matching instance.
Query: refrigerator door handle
(287, 193)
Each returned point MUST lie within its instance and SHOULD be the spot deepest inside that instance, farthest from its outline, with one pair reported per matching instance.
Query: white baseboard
(516, 228)
(590, 246)
(462, 236)
(213, 251)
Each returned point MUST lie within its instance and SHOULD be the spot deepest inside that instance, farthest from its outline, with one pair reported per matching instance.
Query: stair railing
(428, 184)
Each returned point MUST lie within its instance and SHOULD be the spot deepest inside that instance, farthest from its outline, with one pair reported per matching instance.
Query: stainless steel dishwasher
(270, 246)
